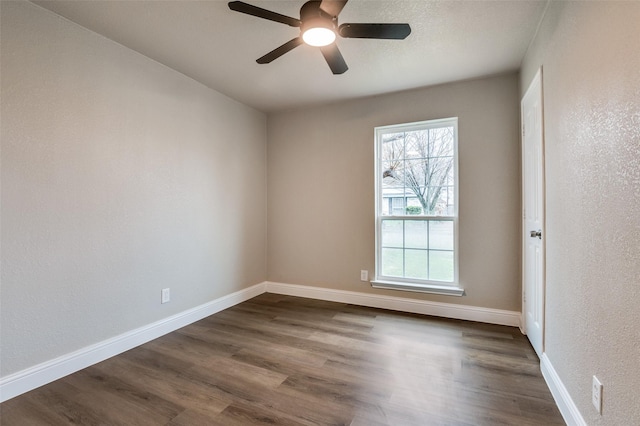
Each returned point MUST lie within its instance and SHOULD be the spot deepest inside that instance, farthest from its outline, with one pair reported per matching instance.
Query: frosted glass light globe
(319, 36)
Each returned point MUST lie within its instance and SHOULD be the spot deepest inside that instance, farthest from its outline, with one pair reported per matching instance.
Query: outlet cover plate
(166, 295)
(596, 394)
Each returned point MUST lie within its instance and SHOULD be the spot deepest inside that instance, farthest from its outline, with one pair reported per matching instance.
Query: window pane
(392, 146)
(417, 144)
(415, 173)
(392, 174)
(441, 141)
(414, 207)
(441, 265)
(392, 203)
(416, 264)
(385, 208)
(441, 235)
(439, 170)
(415, 234)
(398, 206)
(392, 233)
(392, 262)
(446, 201)
(427, 181)
(430, 197)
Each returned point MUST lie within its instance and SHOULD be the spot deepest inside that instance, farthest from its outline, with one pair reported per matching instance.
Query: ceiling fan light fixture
(317, 30)
(319, 36)
(318, 25)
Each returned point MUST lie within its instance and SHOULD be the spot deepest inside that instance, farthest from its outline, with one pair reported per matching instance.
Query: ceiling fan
(319, 26)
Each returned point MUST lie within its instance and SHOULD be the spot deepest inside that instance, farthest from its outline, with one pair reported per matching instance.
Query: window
(416, 206)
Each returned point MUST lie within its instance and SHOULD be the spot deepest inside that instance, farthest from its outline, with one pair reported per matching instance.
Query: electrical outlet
(596, 394)
(364, 275)
(166, 295)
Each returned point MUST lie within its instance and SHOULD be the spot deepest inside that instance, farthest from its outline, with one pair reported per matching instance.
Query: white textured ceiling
(450, 40)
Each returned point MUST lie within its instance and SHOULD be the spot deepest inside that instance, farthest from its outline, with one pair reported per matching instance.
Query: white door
(533, 213)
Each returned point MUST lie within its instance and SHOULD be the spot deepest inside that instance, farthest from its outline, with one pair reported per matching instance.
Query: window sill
(420, 288)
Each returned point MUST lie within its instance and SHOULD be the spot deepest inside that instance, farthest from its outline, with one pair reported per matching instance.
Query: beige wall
(321, 189)
(119, 177)
(590, 54)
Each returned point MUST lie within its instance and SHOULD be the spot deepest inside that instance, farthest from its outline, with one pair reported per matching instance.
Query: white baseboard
(46, 372)
(565, 404)
(425, 307)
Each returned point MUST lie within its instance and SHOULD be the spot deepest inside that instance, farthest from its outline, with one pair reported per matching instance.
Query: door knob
(537, 233)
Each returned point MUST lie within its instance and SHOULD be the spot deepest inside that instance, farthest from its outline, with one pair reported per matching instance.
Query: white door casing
(533, 267)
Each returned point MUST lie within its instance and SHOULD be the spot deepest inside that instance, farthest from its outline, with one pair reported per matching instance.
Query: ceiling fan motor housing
(313, 17)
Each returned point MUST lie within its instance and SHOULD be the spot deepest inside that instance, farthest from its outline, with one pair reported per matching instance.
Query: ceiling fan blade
(279, 51)
(385, 31)
(333, 7)
(249, 9)
(334, 58)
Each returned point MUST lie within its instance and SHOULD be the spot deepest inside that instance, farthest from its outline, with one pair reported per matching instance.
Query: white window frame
(424, 286)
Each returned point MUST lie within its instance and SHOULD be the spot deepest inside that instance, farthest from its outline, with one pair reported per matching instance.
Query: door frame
(535, 81)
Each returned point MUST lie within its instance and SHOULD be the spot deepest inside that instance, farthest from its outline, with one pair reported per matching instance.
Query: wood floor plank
(97, 381)
(29, 413)
(245, 415)
(173, 387)
(67, 407)
(284, 360)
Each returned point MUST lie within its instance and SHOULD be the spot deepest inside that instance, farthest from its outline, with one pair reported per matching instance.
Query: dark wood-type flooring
(292, 361)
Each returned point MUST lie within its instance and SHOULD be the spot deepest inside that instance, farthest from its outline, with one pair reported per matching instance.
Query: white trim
(46, 372)
(565, 404)
(406, 127)
(447, 290)
(425, 307)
